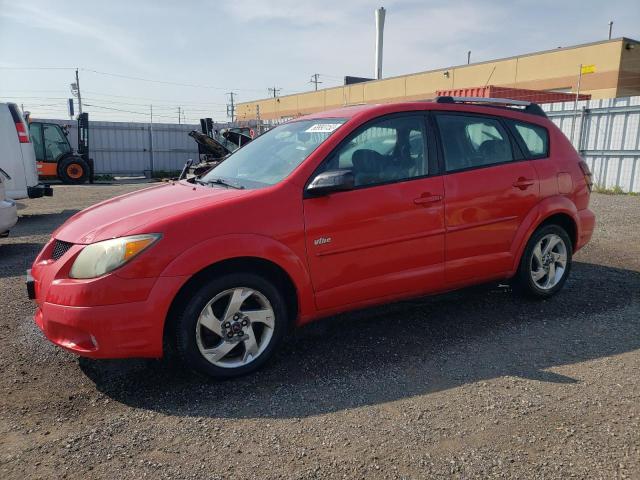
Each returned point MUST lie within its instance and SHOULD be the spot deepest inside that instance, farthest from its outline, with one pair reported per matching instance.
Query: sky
(189, 54)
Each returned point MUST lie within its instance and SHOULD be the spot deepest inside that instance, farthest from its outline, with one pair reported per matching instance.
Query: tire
(256, 328)
(73, 170)
(540, 275)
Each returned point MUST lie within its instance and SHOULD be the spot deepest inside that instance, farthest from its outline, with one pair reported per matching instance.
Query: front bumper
(40, 190)
(106, 317)
(110, 331)
(8, 216)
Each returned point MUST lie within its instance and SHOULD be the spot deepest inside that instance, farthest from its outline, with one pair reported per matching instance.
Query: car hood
(118, 216)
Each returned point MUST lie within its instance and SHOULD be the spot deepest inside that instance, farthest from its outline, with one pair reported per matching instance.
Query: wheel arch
(565, 221)
(248, 264)
(554, 210)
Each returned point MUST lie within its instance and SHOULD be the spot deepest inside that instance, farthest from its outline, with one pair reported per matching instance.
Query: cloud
(298, 13)
(109, 39)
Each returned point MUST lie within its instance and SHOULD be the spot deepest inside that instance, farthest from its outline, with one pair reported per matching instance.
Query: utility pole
(79, 96)
(610, 28)
(575, 104)
(178, 115)
(314, 80)
(231, 107)
(151, 165)
(258, 124)
(275, 91)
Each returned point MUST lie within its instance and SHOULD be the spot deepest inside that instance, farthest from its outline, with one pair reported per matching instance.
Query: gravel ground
(473, 384)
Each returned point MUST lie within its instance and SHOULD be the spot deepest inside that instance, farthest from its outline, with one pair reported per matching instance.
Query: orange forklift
(55, 157)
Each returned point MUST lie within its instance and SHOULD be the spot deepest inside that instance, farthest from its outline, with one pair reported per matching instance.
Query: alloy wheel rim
(548, 261)
(235, 327)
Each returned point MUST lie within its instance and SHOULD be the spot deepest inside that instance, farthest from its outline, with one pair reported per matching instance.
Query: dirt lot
(473, 384)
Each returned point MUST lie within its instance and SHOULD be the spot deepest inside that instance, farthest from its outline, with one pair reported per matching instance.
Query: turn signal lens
(134, 247)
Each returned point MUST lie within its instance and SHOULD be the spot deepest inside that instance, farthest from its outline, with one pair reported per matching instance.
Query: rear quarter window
(535, 139)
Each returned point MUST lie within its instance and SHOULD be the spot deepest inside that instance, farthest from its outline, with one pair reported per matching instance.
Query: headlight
(103, 257)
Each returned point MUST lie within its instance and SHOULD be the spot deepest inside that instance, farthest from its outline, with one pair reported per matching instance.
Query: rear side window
(473, 141)
(535, 139)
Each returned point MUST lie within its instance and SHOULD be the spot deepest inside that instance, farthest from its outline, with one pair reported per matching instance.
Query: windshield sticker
(322, 128)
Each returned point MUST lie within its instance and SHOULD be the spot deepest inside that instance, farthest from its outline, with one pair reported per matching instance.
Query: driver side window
(384, 151)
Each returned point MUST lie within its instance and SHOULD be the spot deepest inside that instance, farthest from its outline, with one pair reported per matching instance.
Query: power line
(163, 82)
(129, 77)
(126, 111)
(172, 105)
(37, 68)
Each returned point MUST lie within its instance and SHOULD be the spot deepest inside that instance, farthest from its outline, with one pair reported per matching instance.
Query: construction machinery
(216, 145)
(55, 157)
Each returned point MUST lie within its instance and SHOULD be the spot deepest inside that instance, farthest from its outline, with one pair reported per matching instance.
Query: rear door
(489, 190)
(385, 238)
(13, 136)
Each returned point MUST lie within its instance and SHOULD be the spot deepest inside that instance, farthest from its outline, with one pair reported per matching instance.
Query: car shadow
(16, 258)
(41, 223)
(402, 350)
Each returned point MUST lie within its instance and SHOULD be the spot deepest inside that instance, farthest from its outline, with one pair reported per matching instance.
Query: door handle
(523, 183)
(426, 199)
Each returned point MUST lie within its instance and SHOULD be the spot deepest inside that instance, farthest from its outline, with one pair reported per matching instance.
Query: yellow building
(611, 69)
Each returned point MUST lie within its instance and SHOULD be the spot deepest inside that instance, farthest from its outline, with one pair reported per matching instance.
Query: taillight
(23, 135)
(588, 177)
(21, 128)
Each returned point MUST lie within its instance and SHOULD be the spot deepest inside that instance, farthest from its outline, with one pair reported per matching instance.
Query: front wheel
(73, 170)
(231, 326)
(545, 263)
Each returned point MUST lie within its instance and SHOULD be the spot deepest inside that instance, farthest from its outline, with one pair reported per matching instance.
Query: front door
(384, 238)
(489, 190)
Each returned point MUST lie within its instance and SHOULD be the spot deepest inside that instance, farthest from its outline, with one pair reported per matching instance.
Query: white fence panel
(136, 148)
(607, 134)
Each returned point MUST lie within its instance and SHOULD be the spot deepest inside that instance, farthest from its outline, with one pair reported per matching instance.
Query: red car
(331, 212)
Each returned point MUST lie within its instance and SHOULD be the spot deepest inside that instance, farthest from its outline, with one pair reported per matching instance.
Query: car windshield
(272, 156)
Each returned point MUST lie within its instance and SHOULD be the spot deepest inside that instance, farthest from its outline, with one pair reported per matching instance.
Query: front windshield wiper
(219, 181)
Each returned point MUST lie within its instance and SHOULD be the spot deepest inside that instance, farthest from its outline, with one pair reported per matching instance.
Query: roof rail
(529, 107)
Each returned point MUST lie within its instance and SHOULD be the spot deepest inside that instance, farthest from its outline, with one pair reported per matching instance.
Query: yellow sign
(587, 69)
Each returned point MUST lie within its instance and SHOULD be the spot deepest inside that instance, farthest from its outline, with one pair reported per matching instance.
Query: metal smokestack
(379, 36)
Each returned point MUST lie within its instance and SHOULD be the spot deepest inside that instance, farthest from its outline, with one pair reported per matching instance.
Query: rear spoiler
(528, 107)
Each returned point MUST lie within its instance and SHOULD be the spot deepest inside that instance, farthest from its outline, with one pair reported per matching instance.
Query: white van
(8, 211)
(17, 157)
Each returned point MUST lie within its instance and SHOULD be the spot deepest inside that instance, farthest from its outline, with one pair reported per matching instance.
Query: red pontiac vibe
(327, 213)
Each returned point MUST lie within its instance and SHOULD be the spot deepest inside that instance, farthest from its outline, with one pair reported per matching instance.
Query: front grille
(60, 248)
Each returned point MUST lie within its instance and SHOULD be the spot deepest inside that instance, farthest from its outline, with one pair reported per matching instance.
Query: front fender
(543, 210)
(225, 247)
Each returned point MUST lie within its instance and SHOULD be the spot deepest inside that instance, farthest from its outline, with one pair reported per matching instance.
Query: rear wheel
(546, 262)
(231, 326)
(73, 170)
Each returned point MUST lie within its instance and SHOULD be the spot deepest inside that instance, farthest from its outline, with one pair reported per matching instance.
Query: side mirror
(331, 181)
